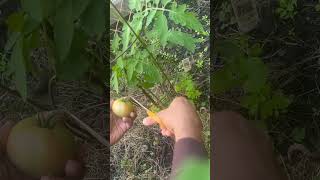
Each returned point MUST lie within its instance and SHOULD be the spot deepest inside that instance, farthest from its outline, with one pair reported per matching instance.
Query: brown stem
(155, 61)
(162, 106)
(149, 97)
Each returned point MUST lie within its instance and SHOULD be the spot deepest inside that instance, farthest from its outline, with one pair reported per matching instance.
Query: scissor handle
(155, 117)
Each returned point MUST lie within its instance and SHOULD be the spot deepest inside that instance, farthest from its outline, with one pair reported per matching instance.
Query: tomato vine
(155, 26)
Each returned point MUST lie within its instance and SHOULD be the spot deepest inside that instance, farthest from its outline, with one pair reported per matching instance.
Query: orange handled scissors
(151, 114)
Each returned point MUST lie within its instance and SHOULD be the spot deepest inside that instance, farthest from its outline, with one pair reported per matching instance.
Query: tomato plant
(244, 68)
(138, 42)
(64, 29)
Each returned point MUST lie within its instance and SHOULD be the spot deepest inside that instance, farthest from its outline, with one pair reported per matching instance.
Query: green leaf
(132, 63)
(77, 62)
(115, 82)
(63, 29)
(15, 22)
(179, 15)
(150, 17)
(227, 49)
(165, 2)
(40, 9)
(223, 80)
(78, 7)
(298, 134)
(135, 5)
(183, 39)
(257, 73)
(115, 43)
(34, 8)
(93, 19)
(152, 74)
(13, 37)
(255, 50)
(17, 60)
(30, 25)
(125, 37)
(161, 27)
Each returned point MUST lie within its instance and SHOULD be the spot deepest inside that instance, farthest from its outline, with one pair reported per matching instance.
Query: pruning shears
(151, 114)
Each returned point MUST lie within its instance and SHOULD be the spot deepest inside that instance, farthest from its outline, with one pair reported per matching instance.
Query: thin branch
(101, 139)
(149, 97)
(145, 46)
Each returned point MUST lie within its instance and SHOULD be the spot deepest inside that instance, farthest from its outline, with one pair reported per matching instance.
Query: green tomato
(39, 151)
(122, 107)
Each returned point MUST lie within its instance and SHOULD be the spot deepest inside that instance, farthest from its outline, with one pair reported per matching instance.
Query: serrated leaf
(179, 15)
(63, 29)
(183, 39)
(115, 43)
(17, 60)
(79, 6)
(125, 37)
(93, 19)
(150, 17)
(152, 74)
(256, 72)
(131, 68)
(161, 27)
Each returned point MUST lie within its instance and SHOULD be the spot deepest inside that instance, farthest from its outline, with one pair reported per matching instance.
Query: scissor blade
(139, 103)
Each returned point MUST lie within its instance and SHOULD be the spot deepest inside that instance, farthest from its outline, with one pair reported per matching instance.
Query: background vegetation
(270, 75)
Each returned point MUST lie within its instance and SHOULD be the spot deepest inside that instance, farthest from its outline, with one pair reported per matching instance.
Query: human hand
(73, 169)
(181, 119)
(119, 126)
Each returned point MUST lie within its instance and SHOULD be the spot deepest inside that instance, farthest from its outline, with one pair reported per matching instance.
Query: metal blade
(139, 103)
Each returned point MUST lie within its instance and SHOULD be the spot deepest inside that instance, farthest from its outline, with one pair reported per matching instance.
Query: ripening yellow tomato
(122, 107)
(39, 151)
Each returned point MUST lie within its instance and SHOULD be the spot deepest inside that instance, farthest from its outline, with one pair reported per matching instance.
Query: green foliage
(136, 64)
(61, 24)
(287, 9)
(298, 134)
(187, 86)
(226, 15)
(244, 68)
(195, 169)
